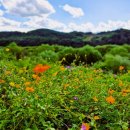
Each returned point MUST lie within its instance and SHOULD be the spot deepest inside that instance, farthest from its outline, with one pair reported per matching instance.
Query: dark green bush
(67, 56)
(16, 50)
(88, 55)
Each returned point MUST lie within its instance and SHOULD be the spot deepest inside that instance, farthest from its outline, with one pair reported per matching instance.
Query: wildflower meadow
(41, 90)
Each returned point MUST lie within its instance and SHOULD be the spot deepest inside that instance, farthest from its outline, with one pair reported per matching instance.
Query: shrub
(49, 56)
(67, 56)
(44, 47)
(105, 48)
(120, 50)
(15, 50)
(114, 62)
(88, 55)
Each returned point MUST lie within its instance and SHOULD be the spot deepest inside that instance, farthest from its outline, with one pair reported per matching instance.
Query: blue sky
(64, 15)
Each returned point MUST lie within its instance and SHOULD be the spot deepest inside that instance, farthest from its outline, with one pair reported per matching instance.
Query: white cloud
(8, 22)
(9, 25)
(100, 27)
(74, 11)
(1, 12)
(28, 8)
(44, 22)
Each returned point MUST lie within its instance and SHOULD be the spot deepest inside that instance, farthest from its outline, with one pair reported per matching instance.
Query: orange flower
(111, 91)
(40, 68)
(29, 89)
(95, 99)
(85, 126)
(17, 86)
(125, 91)
(124, 94)
(110, 99)
(121, 68)
(27, 83)
(2, 81)
(36, 77)
(62, 68)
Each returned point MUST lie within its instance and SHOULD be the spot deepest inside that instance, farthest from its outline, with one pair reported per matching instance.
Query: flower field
(39, 96)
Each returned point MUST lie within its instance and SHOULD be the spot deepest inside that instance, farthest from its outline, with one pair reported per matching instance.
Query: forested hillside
(75, 39)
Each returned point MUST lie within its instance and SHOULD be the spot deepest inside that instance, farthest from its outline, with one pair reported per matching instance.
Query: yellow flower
(95, 99)
(7, 72)
(71, 101)
(12, 84)
(110, 99)
(7, 49)
(23, 78)
(120, 84)
(55, 74)
(96, 117)
(21, 71)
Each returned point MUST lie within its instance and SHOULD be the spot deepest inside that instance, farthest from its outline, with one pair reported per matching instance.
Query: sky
(64, 15)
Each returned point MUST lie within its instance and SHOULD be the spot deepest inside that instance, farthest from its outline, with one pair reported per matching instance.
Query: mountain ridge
(75, 38)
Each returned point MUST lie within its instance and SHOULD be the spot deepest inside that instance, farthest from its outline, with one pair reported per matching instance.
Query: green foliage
(105, 48)
(49, 56)
(15, 50)
(67, 55)
(119, 50)
(44, 47)
(61, 98)
(113, 62)
(88, 55)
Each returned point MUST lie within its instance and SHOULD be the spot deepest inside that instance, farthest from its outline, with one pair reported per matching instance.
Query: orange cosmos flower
(27, 83)
(111, 91)
(2, 81)
(29, 89)
(110, 99)
(121, 68)
(85, 126)
(40, 68)
(36, 77)
(125, 92)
